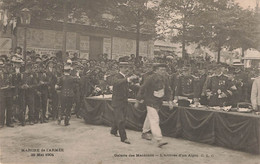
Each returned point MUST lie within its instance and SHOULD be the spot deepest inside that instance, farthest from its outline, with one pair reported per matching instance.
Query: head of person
(50, 66)
(160, 69)
(186, 71)
(18, 50)
(123, 67)
(67, 69)
(220, 70)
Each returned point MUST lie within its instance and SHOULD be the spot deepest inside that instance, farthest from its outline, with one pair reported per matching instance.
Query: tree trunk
(137, 40)
(64, 42)
(184, 55)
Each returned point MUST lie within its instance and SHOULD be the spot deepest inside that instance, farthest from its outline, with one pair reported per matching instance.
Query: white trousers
(152, 123)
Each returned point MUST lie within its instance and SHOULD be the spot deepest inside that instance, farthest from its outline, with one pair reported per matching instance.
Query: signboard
(39, 38)
(107, 46)
(5, 45)
(84, 47)
(126, 47)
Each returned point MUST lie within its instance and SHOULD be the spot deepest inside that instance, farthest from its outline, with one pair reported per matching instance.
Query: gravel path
(80, 143)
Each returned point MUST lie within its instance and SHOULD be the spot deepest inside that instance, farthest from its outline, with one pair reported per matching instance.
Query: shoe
(36, 122)
(115, 134)
(161, 144)
(23, 123)
(66, 122)
(45, 121)
(31, 123)
(59, 121)
(10, 125)
(126, 141)
(146, 136)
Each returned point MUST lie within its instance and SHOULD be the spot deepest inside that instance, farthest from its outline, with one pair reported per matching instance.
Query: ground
(81, 143)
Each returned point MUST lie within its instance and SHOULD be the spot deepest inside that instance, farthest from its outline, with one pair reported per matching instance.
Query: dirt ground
(81, 143)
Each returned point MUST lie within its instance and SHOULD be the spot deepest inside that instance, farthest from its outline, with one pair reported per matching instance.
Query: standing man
(6, 95)
(120, 100)
(17, 78)
(255, 98)
(152, 93)
(67, 85)
(187, 88)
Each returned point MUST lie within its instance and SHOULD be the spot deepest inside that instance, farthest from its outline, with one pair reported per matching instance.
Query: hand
(15, 97)
(136, 104)
(170, 105)
(175, 101)
(223, 95)
(38, 93)
(209, 94)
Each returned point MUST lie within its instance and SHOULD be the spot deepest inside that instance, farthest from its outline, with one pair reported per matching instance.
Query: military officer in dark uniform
(67, 85)
(17, 78)
(219, 89)
(187, 88)
(29, 85)
(42, 92)
(75, 74)
(6, 95)
(53, 95)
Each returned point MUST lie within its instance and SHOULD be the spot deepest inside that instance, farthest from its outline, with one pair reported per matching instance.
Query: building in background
(252, 58)
(45, 37)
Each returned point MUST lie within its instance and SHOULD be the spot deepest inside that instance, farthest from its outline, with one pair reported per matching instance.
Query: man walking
(152, 92)
(119, 101)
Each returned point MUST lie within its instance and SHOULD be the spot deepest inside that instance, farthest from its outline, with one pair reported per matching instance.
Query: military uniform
(29, 85)
(220, 89)
(6, 98)
(187, 88)
(19, 94)
(42, 96)
(67, 86)
(53, 95)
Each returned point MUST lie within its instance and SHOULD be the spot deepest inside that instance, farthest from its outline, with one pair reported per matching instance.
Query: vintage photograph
(129, 81)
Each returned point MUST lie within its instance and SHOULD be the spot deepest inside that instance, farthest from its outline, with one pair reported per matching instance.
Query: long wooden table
(239, 131)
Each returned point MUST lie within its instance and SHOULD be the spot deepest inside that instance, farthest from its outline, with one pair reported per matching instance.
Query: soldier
(219, 88)
(29, 85)
(152, 92)
(75, 74)
(42, 92)
(67, 86)
(6, 96)
(17, 78)
(187, 88)
(53, 96)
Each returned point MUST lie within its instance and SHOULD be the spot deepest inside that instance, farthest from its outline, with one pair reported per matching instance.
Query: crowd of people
(50, 86)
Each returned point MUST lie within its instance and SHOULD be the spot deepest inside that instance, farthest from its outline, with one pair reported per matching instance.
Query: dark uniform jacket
(120, 90)
(67, 83)
(188, 86)
(154, 90)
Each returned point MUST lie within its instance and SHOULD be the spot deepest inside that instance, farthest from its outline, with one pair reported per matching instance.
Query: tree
(225, 24)
(134, 15)
(176, 18)
(60, 10)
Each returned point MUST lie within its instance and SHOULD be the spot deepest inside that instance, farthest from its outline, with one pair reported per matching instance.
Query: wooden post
(65, 21)
(25, 45)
